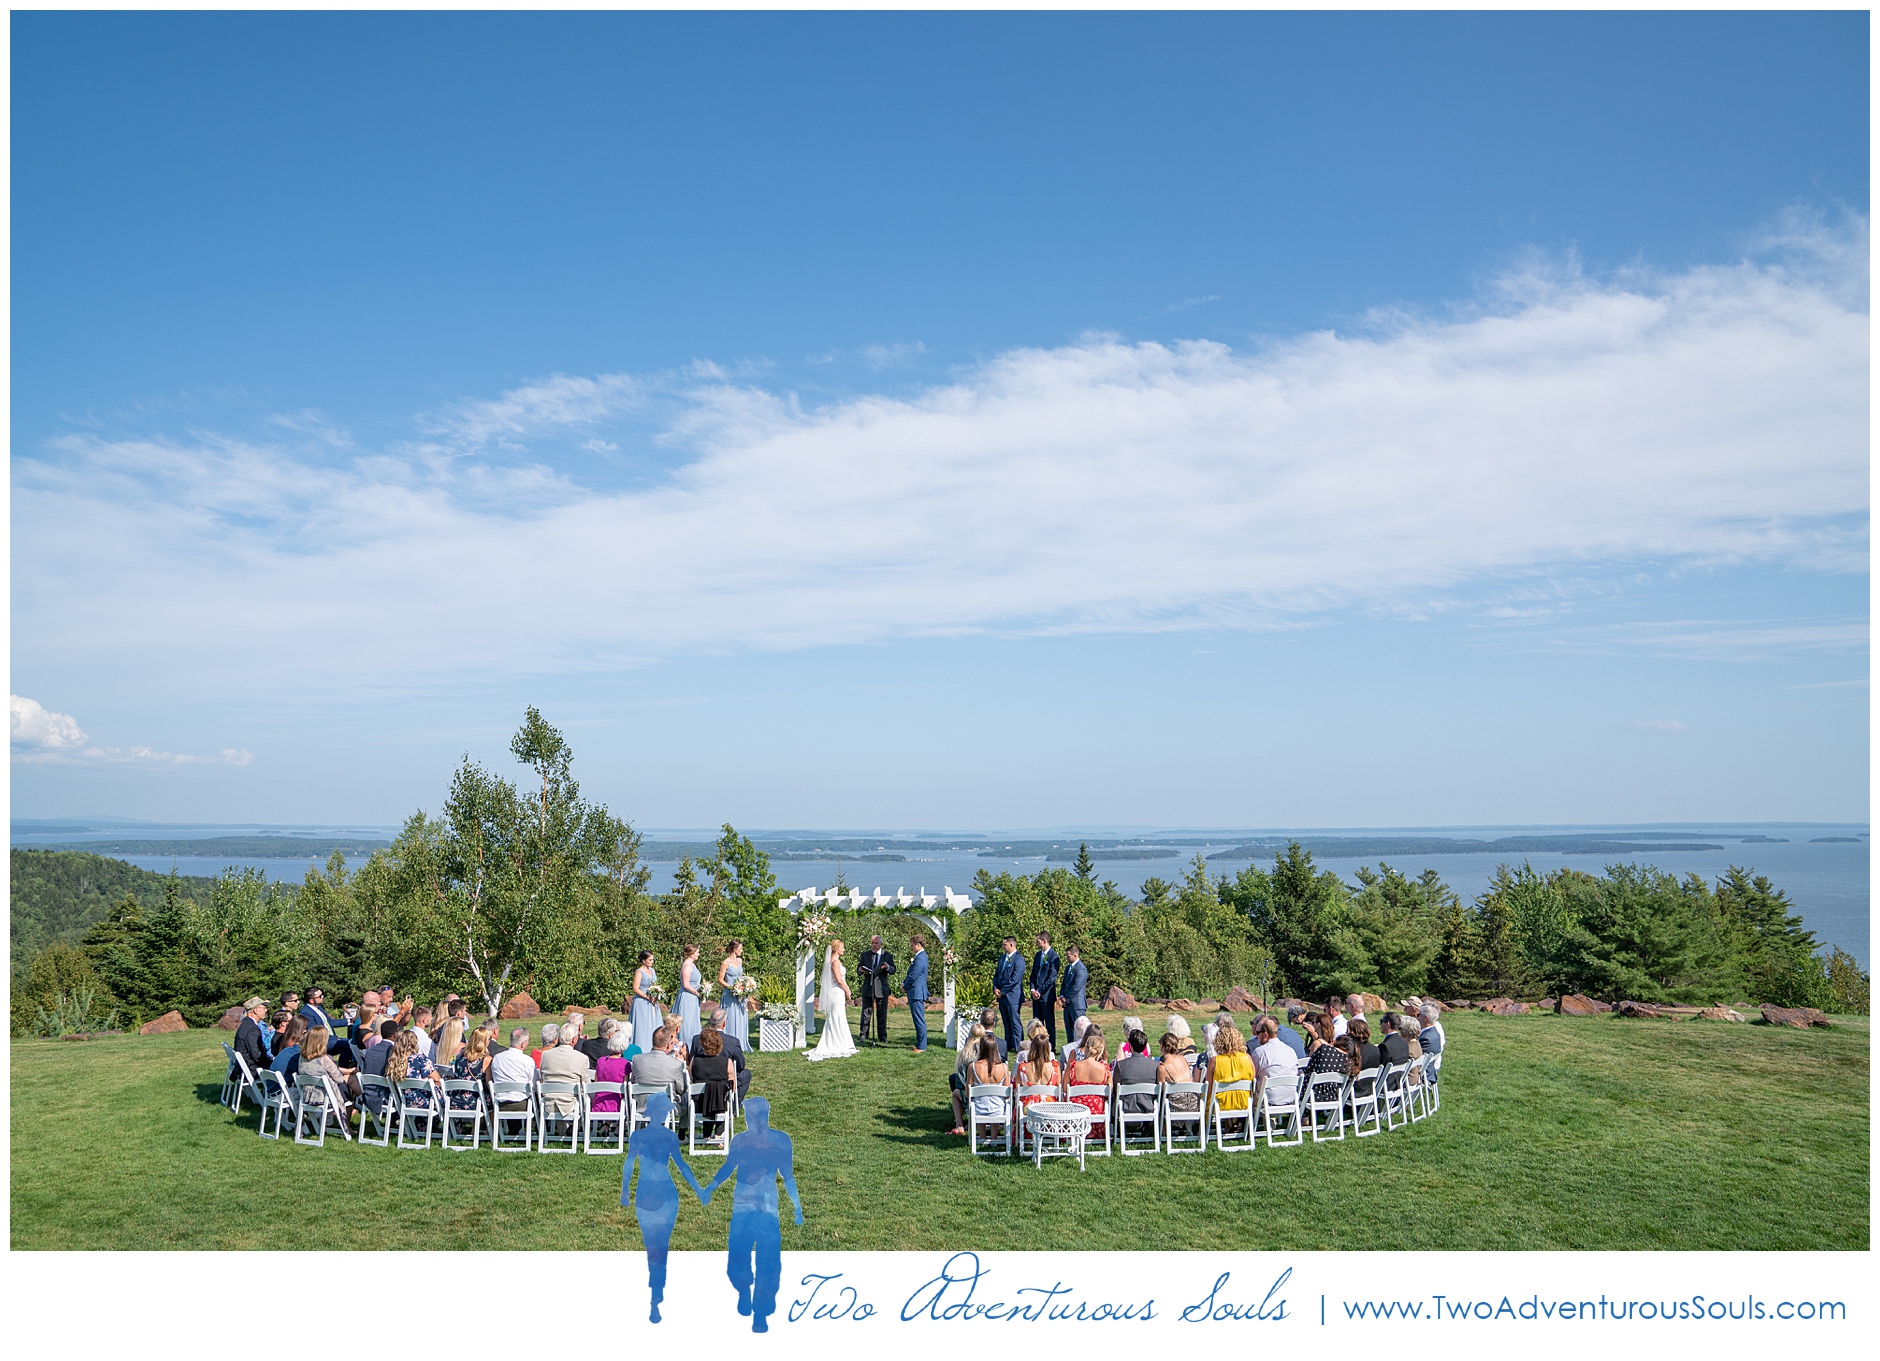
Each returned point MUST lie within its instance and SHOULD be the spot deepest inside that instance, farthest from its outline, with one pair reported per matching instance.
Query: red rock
(1799, 1017)
(1181, 1004)
(519, 1008)
(231, 1019)
(585, 1011)
(894, 1002)
(1372, 1003)
(1239, 999)
(1717, 1014)
(1505, 1006)
(1117, 1000)
(167, 1024)
(1576, 1004)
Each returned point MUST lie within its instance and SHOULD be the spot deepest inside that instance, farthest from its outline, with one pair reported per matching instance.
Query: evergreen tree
(1086, 867)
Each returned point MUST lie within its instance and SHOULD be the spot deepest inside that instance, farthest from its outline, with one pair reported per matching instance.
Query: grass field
(1555, 1133)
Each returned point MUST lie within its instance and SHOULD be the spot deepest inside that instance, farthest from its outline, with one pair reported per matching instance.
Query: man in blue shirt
(1289, 1034)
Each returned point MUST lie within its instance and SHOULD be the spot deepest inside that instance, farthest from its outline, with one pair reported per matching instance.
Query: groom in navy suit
(1076, 981)
(1007, 982)
(1044, 980)
(915, 986)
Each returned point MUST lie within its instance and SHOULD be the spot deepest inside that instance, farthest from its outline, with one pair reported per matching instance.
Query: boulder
(1372, 1003)
(167, 1024)
(1641, 1010)
(1440, 1006)
(1505, 1006)
(231, 1019)
(1577, 1004)
(1799, 1017)
(1460, 1004)
(1239, 999)
(894, 1002)
(520, 1008)
(1117, 1000)
(1286, 1004)
(1208, 1004)
(585, 1011)
(1717, 1014)
(1181, 1004)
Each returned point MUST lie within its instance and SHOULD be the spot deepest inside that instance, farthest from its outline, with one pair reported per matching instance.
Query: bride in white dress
(836, 1042)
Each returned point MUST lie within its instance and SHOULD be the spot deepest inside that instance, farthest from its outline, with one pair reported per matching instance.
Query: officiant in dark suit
(877, 965)
(1044, 981)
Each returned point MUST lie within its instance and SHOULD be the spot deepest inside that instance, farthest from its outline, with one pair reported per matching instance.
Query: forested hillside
(57, 896)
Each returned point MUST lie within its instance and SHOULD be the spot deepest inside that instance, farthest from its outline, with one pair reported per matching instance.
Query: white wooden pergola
(919, 905)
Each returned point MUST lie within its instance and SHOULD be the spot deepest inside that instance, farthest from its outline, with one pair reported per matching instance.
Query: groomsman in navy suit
(915, 987)
(1076, 980)
(1044, 981)
(1007, 982)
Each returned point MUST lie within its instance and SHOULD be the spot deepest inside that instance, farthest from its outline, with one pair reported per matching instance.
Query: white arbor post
(918, 905)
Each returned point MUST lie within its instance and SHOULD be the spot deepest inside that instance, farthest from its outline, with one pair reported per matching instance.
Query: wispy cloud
(42, 736)
(1184, 305)
(1560, 424)
(1718, 640)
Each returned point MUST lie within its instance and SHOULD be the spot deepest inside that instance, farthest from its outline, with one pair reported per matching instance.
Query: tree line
(524, 884)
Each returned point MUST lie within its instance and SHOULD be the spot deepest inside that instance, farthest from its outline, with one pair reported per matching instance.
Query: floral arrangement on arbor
(813, 930)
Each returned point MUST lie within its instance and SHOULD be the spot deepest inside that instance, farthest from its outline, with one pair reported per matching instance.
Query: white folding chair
(638, 1092)
(1242, 1118)
(1279, 1105)
(1319, 1107)
(418, 1100)
(315, 1095)
(1172, 1117)
(545, 1118)
(718, 1145)
(1361, 1104)
(1432, 1087)
(1125, 1117)
(1002, 1123)
(378, 1104)
(1394, 1095)
(511, 1092)
(1096, 1121)
(615, 1119)
(1044, 1092)
(273, 1097)
(476, 1115)
(240, 1079)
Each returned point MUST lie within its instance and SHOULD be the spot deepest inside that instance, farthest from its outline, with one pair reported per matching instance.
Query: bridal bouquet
(656, 995)
(813, 929)
(745, 988)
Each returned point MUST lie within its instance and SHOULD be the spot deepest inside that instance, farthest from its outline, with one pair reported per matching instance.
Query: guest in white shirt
(1336, 1010)
(1075, 1047)
(1354, 1011)
(421, 1027)
(514, 1065)
(1273, 1056)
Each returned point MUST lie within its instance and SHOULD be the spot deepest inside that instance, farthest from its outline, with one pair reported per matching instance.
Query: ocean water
(1827, 881)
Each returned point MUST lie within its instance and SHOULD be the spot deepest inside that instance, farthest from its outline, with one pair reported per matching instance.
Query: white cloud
(42, 737)
(1566, 424)
(34, 728)
(1670, 725)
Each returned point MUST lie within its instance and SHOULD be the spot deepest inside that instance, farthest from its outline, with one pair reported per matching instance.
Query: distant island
(245, 847)
(1366, 848)
(1849, 840)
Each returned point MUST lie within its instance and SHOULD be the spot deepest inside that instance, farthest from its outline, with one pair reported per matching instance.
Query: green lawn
(1554, 1133)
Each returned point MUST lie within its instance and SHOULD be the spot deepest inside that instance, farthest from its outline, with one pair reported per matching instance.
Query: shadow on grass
(211, 1093)
(905, 1127)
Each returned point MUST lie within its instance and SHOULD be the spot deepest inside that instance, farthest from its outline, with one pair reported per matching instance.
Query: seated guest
(1413, 1045)
(1174, 1068)
(563, 1062)
(1335, 1009)
(1431, 1035)
(1177, 1025)
(1273, 1058)
(573, 1030)
(962, 1069)
(449, 1043)
(596, 1048)
(1040, 1068)
(251, 1036)
(313, 1012)
(1391, 1047)
(1330, 1060)
(655, 1068)
(731, 1047)
(278, 1024)
(1131, 1024)
(290, 1002)
(316, 1062)
(712, 1070)
(514, 1064)
(1078, 1031)
(1133, 1066)
(1354, 1009)
(989, 1018)
(1354, 1061)
(407, 1063)
(1359, 1032)
(1289, 1034)
(1231, 1064)
(286, 1060)
(473, 1065)
(551, 1036)
(989, 1070)
(363, 1033)
(373, 1061)
(1091, 1069)
(421, 1027)
(610, 1067)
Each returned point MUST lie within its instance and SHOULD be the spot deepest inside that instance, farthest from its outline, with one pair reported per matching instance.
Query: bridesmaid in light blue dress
(645, 1014)
(691, 980)
(736, 1022)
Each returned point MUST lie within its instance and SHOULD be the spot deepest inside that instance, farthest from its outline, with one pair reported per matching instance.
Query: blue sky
(959, 421)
